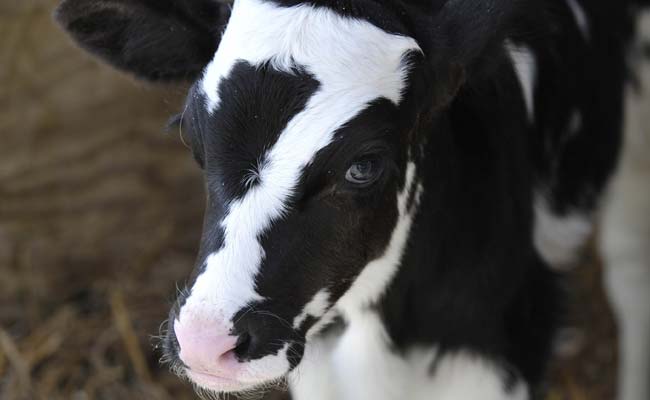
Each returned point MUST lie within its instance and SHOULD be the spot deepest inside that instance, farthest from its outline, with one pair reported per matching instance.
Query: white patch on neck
(315, 308)
(355, 63)
(465, 376)
(375, 277)
(559, 238)
(581, 18)
(525, 64)
(361, 365)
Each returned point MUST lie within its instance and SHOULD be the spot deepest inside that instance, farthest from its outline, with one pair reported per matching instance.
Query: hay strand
(17, 361)
(129, 337)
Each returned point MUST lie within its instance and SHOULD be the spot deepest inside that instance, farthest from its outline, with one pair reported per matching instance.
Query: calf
(393, 185)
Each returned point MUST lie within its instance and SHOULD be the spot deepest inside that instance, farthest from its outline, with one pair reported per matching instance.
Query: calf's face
(298, 125)
(304, 121)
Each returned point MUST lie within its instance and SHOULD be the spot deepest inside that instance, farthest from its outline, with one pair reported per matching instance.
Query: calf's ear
(156, 40)
(462, 38)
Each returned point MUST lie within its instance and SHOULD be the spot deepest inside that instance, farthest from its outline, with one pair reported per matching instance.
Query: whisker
(270, 314)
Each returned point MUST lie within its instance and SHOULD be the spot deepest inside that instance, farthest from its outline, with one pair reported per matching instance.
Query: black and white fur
(494, 130)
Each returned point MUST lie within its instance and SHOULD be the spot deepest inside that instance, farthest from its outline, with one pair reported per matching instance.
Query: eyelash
(187, 137)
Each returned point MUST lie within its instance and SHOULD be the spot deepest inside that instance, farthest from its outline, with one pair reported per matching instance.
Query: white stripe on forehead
(354, 62)
(347, 56)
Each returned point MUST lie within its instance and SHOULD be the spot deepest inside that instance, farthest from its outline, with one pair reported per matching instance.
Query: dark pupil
(361, 170)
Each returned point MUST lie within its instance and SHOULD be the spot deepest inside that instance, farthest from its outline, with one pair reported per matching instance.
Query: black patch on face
(256, 103)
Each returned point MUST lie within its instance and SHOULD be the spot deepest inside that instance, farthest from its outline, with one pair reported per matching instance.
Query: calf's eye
(363, 172)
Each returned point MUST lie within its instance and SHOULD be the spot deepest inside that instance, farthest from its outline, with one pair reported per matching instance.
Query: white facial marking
(375, 277)
(558, 238)
(315, 308)
(349, 57)
(361, 365)
(525, 64)
(355, 63)
(580, 16)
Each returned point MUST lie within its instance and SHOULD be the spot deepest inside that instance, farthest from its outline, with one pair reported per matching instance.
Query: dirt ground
(100, 216)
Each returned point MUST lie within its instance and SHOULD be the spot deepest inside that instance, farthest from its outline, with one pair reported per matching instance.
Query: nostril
(243, 345)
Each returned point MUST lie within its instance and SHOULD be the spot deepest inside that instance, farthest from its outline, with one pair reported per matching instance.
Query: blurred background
(100, 217)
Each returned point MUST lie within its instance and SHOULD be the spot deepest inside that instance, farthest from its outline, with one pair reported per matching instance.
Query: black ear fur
(456, 37)
(158, 40)
(465, 29)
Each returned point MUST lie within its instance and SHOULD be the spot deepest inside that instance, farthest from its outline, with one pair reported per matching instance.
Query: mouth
(216, 383)
(220, 384)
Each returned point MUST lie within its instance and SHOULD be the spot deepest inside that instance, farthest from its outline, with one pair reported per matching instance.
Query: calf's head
(308, 120)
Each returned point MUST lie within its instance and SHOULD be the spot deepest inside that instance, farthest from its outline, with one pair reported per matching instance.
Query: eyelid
(378, 150)
(373, 149)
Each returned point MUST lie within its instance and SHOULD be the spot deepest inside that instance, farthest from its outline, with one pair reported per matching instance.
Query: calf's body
(393, 186)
